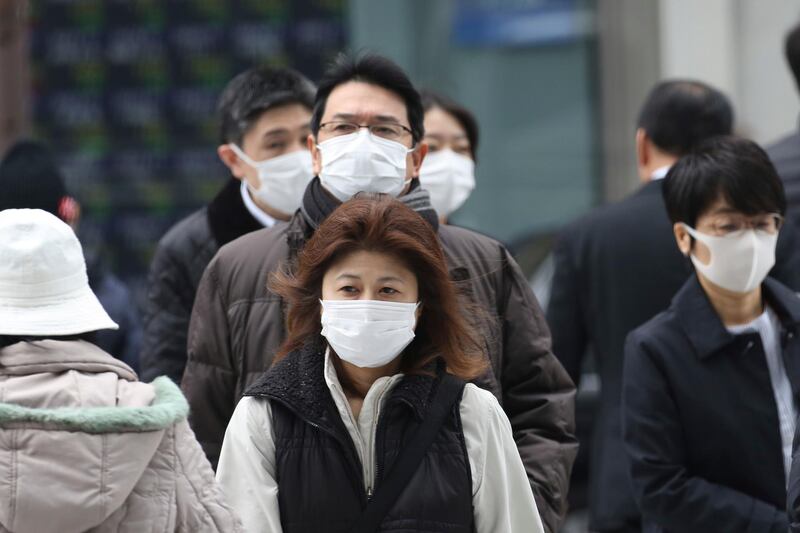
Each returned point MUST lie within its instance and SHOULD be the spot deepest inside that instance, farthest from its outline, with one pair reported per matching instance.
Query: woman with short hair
(365, 422)
(710, 385)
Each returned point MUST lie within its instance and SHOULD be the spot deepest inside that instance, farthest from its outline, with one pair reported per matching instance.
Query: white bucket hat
(44, 289)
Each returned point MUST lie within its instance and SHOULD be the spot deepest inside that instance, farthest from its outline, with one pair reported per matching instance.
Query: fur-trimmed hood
(77, 434)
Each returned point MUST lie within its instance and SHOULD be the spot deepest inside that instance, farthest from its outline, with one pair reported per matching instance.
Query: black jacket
(315, 457)
(700, 422)
(180, 259)
(615, 269)
(785, 155)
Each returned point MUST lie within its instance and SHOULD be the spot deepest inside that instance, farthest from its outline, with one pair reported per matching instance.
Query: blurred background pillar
(14, 71)
(737, 46)
(628, 66)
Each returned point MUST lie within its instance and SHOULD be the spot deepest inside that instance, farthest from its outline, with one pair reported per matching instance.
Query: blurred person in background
(367, 135)
(710, 384)
(392, 383)
(84, 445)
(618, 266)
(448, 171)
(30, 178)
(785, 153)
(264, 116)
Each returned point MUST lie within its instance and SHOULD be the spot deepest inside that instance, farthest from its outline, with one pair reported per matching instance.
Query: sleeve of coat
(201, 505)
(564, 312)
(209, 381)
(166, 319)
(793, 491)
(538, 397)
(663, 488)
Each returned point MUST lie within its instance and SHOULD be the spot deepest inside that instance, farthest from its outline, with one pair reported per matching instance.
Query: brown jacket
(237, 325)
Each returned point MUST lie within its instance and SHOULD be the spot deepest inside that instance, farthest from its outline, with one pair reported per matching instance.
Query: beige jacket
(84, 446)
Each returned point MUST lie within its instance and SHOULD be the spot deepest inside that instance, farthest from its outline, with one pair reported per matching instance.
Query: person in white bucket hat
(83, 444)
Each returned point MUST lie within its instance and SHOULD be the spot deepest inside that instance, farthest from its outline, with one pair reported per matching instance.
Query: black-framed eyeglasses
(386, 130)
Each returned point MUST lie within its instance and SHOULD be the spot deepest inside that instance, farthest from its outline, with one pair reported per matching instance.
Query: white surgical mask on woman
(364, 162)
(739, 262)
(282, 180)
(368, 333)
(449, 178)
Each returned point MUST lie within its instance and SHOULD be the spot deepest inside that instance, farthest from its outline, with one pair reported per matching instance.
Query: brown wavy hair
(380, 223)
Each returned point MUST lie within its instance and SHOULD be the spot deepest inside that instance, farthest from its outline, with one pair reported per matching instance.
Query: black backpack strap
(447, 395)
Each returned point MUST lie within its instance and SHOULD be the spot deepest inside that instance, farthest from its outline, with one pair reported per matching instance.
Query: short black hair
(791, 48)
(462, 115)
(737, 169)
(252, 92)
(377, 70)
(679, 114)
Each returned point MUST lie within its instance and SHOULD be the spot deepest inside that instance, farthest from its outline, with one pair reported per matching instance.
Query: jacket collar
(298, 381)
(228, 217)
(705, 330)
(54, 356)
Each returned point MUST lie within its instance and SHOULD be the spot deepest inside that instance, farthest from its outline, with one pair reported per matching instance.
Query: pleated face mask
(362, 162)
(368, 333)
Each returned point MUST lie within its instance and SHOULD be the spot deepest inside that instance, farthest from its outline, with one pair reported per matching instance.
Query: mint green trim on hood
(168, 407)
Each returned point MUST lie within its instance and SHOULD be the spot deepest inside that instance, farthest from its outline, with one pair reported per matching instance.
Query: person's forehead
(288, 116)
(369, 264)
(439, 121)
(364, 101)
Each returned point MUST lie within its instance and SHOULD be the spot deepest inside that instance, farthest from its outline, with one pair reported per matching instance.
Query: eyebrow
(458, 136)
(352, 117)
(383, 279)
(284, 131)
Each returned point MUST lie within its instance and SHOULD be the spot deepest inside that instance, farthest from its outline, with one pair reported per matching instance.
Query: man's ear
(642, 148)
(417, 156)
(231, 160)
(316, 157)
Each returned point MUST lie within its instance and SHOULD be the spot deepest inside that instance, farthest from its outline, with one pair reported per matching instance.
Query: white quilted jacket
(84, 446)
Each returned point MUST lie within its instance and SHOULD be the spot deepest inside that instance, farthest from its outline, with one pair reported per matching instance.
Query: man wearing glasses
(366, 133)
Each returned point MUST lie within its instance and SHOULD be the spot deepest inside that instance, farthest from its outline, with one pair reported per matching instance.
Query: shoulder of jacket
(457, 237)
(192, 229)
(254, 251)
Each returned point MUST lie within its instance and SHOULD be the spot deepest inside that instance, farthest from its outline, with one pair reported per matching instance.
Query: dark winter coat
(180, 259)
(700, 422)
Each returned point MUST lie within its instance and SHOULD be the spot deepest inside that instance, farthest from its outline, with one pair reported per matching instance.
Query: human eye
(387, 131)
(348, 289)
(276, 145)
(389, 291)
(344, 127)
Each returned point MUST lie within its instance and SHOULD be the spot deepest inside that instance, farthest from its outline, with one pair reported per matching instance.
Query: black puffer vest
(319, 474)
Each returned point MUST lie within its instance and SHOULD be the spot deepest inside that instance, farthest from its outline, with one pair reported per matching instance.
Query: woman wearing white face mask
(364, 423)
(448, 171)
(710, 385)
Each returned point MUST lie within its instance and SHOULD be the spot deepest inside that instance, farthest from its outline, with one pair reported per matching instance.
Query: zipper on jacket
(347, 446)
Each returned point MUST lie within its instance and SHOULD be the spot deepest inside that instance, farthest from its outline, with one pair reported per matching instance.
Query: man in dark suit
(619, 266)
(785, 153)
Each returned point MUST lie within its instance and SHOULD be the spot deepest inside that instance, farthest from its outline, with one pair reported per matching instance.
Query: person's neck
(274, 213)
(658, 160)
(733, 308)
(357, 381)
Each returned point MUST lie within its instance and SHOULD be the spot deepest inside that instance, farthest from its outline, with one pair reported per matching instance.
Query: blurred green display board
(125, 91)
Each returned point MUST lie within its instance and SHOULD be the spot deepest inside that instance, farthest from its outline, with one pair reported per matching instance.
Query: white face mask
(739, 262)
(368, 333)
(449, 178)
(282, 179)
(362, 162)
